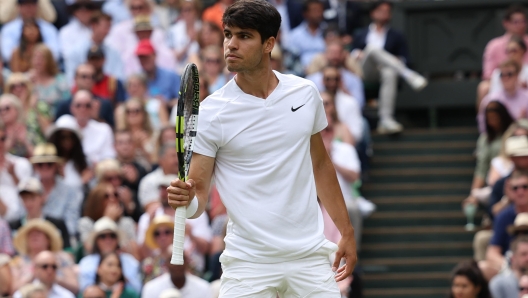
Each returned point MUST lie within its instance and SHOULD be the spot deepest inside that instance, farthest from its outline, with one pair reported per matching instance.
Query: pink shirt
(517, 105)
(495, 54)
(330, 230)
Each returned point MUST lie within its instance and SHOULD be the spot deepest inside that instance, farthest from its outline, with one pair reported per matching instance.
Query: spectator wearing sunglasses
(515, 50)
(513, 97)
(158, 238)
(110, 277)
(107, 238)
(506, 284)
(12, 116)
(45, 272)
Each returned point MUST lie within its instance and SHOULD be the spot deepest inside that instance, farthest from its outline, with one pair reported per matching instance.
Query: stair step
(423, 158)
(418, 215)
(410, 200)
(424, 145)
(410, 172)
(403, 292)
(416, 188)
(407, 250)
(423, 218)
(406, 280)
(415, 230)
(420, 234)
(416, 246)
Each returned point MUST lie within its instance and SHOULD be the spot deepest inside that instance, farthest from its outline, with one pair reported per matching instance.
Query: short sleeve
(209, 134)
(320, 117)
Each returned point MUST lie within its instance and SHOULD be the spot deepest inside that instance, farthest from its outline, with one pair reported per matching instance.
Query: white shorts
(310, 276)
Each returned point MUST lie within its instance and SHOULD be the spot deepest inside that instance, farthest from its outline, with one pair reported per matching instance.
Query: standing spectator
(21, 57)
(383, 53)
(12, 170)
(184, 34)
(505, 284)
(12, 31)
(110, 276)
(214, 13)
(516, 50)
(78, 29)
(45, 272)
(158, 239)
(49, 84)
(306, 40)
(62, 200)
(11, 114)
(467, 281)
(98, 139)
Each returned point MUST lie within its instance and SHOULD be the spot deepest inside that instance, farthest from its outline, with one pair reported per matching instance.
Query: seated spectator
(98, 139)
(78, 29)
(213, 68)
(6, 243)
(12, 170)
(306, 40)
(110, 276)
(102, 109)
(516, 49)
(209, 35)
(123, 10)
(167, 134)
(45, 273)
(49, 84)
(33, 290)
(133, 172)
(61, 200)
(382, 51)
(219, 220)
(162, 83)
(158, 239)
(10, 11)
(505, 284)
(136, 88)
(178, 277)
(184, 34)
(21, 57)
(468, 281)
(340, 130)
(513, 97)
(31, 191)
(94, 291)
(107, 238)
(11, 114)
(33, 238)
(214, 13)
(67, 140)
(5, 274)
(118, 10)
(12, 31)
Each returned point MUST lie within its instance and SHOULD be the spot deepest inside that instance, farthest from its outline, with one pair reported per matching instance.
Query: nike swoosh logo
(293, 110)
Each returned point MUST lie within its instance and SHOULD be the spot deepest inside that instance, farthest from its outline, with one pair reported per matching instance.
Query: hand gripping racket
(186, 124)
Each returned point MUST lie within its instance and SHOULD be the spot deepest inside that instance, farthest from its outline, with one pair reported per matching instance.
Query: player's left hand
(347, 250)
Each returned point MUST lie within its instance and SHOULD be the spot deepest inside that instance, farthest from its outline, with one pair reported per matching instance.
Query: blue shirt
(88, 269)
(117, 9)
(11, 32)
(501, 237)
(166, 83)
(352, 83)
(302, 42)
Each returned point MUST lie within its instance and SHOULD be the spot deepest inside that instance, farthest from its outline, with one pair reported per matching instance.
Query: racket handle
(179, 236)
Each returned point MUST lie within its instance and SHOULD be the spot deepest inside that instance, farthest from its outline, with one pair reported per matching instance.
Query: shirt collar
(372, 28)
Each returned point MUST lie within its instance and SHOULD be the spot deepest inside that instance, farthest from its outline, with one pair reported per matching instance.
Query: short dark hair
(513, 9)
(377, 4)
(519, 174)
(519, 41)
(512, 63)
(472, 272)
(518, 240)
(307, 3)
(98, 16)
(259, 15)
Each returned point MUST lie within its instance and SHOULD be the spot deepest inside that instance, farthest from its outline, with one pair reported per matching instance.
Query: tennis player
(259, 138)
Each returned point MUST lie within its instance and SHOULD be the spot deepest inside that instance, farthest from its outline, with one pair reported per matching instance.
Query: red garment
(105, 88)
(214, 14)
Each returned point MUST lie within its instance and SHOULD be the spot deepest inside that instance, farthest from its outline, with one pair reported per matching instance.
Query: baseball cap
(145, 48)
(31, 185)
(95, 51)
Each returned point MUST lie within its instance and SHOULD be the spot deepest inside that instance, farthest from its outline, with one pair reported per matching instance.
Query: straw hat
(520, 224)
(104, 225)
(156, 222)
(44, 153)
(31, 185)
(516, 146)
(170, 293)
(20, 241)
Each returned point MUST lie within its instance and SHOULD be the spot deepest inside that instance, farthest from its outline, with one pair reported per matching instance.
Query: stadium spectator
(505, 284)
(513, 97)
(516, 50)
(49, 84)
(61, 200)
(34, 237)
(98, 140)
(178, 277)
(133, 172)
(106, 84)
(101, 110)
(340, 130)
(184, 33)
(10, 11)
(11, 114)
(166, 134)
(213, 68)
(45, 272)
(31, 190)
(214, 13)
(383, 53)
(78, 29)
(12, 31)
(5, 274)
(467, 281)
(6, 243)
(21, 57)
(158, 239)
(12, 170)
(345, 16)
(107, 238)
(35, 113)
(306, 40)
(110, 276)
(210, 34)
(33, 290)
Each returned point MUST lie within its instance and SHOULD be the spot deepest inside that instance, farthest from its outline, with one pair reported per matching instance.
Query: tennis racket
(186, 124)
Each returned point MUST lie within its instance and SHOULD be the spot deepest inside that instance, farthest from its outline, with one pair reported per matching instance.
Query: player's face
(243, 49)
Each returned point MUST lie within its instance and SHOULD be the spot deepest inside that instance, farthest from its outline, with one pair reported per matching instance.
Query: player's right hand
(181, 193)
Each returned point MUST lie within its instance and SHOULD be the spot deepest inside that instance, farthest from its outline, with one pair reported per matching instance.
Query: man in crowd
(504, 285)
(383, 53)
(78, 29)
(133, 172)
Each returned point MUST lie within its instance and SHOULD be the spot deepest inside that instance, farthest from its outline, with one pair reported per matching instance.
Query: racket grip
(179, 236)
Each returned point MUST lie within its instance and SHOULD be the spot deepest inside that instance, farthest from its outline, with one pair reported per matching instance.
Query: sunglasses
(108, 195)
(165, 232)
(18, 85)
(112, 178)
(86, 76)
(46, 266)
(5, 109)
(85, 105)
(44, 165)
(107, 236)
(508, 74)
(334, 79)
(517, 187)
(132, 111)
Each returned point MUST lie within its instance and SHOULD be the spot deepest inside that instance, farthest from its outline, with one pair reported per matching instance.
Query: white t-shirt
(194, 287)
(345, 156)
(349, 112)
(263, 169)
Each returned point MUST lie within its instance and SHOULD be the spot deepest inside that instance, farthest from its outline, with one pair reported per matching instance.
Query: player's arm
(329, 193)
(181, 193)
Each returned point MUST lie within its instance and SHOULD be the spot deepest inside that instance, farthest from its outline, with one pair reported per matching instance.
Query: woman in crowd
(31, 36)
(166, 134)
(467, 281)
(515, 50)
(157, 239)
(341, 131)
(36, 113)
(50, 85)
(110, 277)
(213, 68)
(209, 35)
(184, 33)
(35, 236)
(12, 116)
(107, 238)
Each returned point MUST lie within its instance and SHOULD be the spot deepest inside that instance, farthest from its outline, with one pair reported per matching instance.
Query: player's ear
(269, 44)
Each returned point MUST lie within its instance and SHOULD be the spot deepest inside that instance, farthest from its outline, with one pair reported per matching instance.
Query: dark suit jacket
(106, 113)
(294, 8)
(352, 17)
(394, 44)
(59, 223)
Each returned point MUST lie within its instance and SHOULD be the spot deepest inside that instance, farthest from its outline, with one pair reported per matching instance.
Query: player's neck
(259, 83)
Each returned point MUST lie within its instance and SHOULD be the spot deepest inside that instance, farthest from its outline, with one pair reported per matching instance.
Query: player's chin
(233, 67)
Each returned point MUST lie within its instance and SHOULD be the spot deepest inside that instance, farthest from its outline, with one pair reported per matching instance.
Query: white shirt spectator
(345, 156)
(9, 191)
(349, 112)
(97, 141)
(496, 84)
(194, 287)
(71, 34)
(148, 187)
(56, 291)
(376, 39)
(179, 40)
